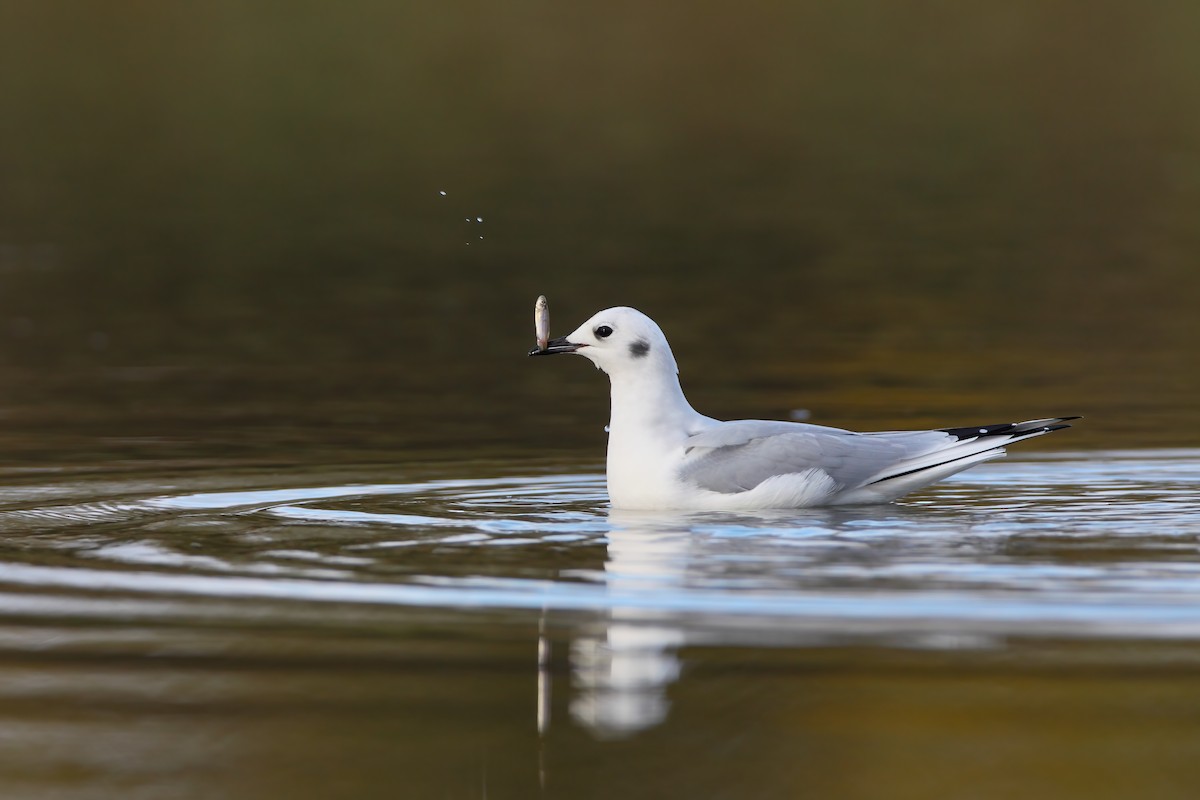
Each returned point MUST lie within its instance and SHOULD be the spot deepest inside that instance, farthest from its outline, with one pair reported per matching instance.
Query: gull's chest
(642, 469)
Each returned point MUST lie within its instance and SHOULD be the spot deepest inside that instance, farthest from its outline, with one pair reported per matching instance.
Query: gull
(664, 455)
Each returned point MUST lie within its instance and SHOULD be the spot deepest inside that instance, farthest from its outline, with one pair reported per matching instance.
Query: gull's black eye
(603, 332)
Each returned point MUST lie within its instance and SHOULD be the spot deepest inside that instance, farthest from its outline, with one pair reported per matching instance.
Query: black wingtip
(1011, 428)
(973, 431)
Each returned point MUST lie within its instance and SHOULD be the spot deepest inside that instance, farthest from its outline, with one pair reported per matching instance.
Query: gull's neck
(649, 404)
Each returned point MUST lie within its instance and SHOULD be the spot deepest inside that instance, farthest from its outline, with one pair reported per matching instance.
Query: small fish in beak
(541, 329)
(541, 322)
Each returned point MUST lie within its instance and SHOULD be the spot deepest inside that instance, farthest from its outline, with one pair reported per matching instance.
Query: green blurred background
(222, 233)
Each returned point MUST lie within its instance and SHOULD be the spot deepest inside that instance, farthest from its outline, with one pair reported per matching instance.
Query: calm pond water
(286, 512)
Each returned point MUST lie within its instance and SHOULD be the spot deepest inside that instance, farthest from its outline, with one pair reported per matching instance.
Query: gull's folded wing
(737, 456)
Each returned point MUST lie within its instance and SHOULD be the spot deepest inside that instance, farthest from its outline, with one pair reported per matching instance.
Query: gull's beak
(556, 346)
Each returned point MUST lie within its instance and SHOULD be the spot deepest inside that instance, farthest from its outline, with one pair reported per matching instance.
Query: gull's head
(617, 340)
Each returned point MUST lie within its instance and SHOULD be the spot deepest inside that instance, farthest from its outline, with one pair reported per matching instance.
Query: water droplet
(480, 237)
(442, 192)
(479, 219)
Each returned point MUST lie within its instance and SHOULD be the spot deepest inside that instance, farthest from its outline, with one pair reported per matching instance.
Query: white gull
(663, 454)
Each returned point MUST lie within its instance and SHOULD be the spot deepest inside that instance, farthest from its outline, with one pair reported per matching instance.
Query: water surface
(510, 635)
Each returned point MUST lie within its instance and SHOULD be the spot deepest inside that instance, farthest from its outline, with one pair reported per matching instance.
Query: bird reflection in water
(622, 665)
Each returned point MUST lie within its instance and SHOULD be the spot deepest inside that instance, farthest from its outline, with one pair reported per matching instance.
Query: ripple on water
(1086, 544)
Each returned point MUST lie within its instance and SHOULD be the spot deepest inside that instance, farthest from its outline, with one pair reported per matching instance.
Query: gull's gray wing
(737, 456)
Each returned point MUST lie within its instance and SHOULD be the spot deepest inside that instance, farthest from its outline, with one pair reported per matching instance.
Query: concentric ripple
(1093, 545)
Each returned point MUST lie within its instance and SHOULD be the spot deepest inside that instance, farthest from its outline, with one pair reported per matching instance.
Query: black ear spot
(639, 348)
